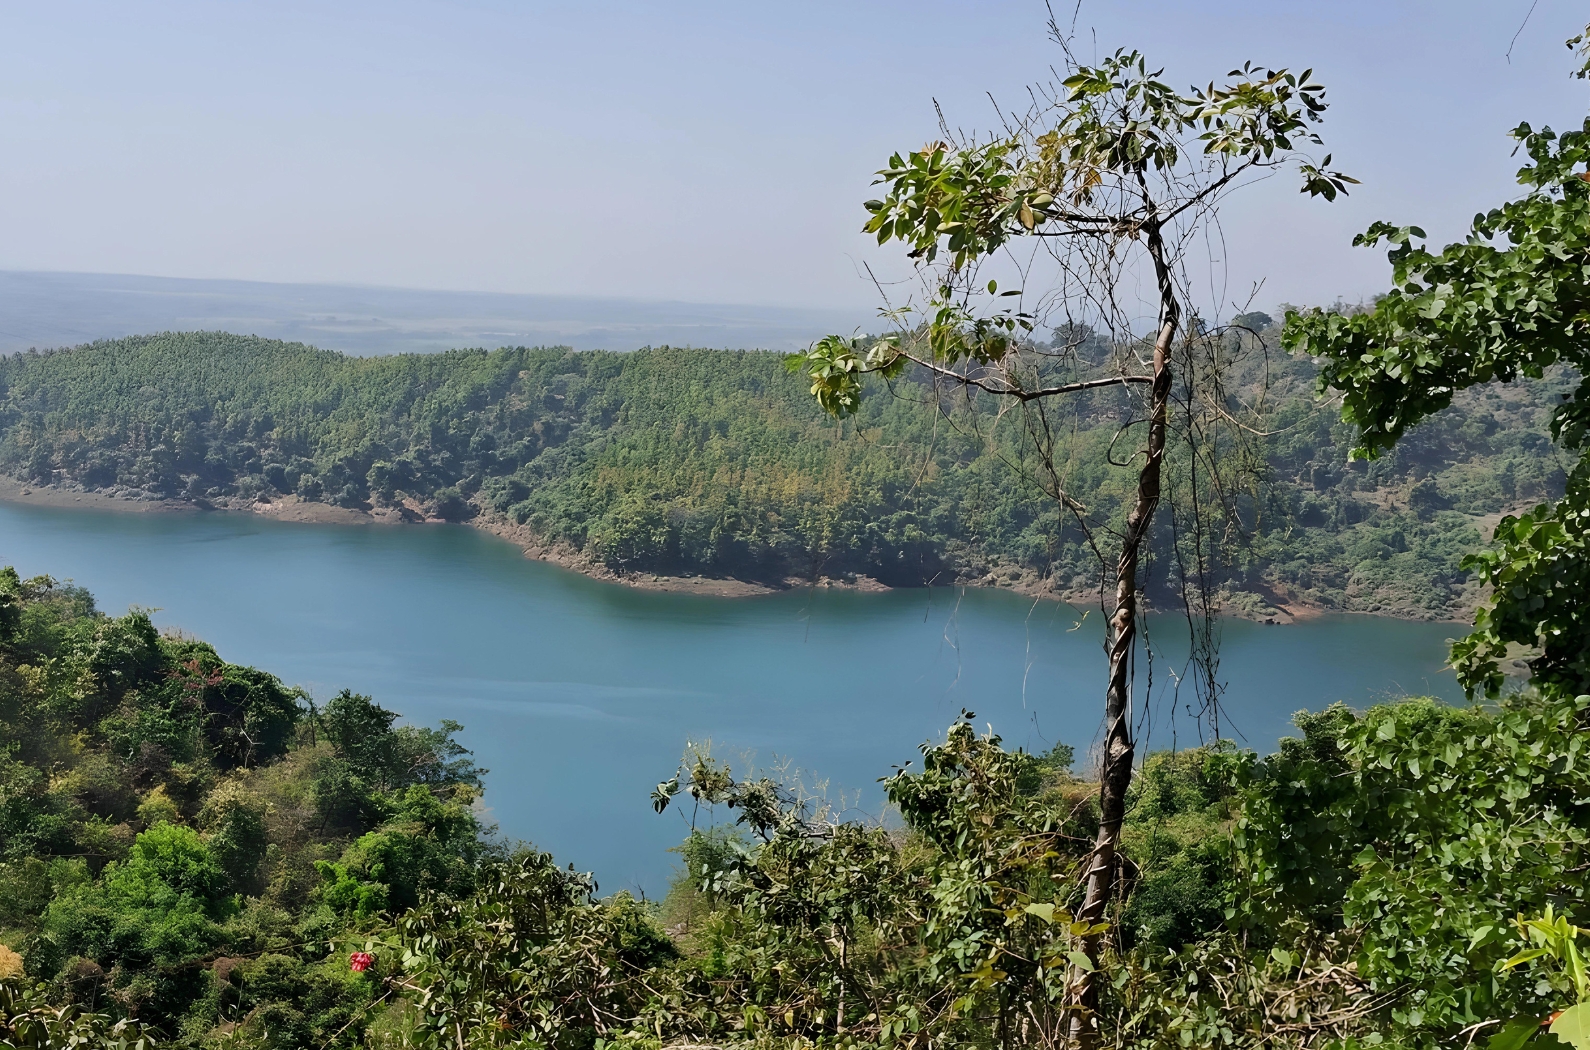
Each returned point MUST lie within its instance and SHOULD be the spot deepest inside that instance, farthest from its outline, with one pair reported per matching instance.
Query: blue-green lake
(579, 696)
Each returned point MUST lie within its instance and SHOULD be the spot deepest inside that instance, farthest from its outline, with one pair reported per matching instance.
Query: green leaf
(1522, 957)
(1080, 961)
(1514, 1034)
(1572, 1026)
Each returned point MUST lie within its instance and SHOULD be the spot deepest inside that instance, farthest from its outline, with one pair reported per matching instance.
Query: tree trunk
(1115, 767)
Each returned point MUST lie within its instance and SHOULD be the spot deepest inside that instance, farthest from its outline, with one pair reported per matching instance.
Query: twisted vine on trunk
(1120, 750)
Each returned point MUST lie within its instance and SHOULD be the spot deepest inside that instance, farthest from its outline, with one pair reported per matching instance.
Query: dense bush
(183, 840)
(1343, 889)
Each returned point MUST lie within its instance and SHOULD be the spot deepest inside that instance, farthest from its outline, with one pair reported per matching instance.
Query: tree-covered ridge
(713, 462)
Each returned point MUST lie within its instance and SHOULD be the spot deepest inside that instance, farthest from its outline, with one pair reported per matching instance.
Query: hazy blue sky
(702, 151)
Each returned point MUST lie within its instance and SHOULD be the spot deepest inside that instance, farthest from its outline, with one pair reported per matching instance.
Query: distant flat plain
(43, 309)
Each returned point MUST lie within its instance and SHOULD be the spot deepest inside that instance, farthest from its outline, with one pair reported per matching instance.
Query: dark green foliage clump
(1176, 836)
(183, 840)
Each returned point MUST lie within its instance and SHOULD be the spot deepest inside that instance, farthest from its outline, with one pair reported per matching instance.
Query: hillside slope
(716, 463)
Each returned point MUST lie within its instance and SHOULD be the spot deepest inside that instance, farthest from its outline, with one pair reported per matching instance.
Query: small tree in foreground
(1099, 191)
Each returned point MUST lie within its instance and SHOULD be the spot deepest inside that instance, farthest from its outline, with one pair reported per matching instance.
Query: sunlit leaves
(1117, 121)
(835, 365)
(1572, 1026)
(1555, 953)
(1259, 115)
(28, 1018)
(1423, 828)
(968, 199)
(1076, 168)
(1553, 938)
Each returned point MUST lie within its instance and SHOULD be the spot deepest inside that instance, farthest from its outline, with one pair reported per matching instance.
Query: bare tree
(1092, 200)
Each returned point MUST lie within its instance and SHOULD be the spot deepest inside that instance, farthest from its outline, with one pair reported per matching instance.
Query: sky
(704, 152)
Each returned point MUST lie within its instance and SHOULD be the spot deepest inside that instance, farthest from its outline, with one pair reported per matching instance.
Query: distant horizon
(52, 309)
(1271, 309)
(410, 328)
(380, 287)
(704, 153)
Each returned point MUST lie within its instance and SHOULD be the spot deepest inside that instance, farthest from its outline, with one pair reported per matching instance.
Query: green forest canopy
(713, 462)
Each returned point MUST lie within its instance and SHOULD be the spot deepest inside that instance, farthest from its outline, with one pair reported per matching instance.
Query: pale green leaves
(1090, 81)
(1514, 1034)
(1552, 937)
(1117, 121)
(968, 199)
(1572, 1026)
(1049, 913)
(836, 365)
(1259, 115)
(1046, 912)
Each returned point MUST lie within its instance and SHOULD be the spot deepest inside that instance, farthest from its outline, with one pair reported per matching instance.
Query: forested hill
(717, 463)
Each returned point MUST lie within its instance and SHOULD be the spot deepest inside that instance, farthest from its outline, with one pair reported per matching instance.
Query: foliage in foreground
(182, 839)
(1340, 889)
(193, 854)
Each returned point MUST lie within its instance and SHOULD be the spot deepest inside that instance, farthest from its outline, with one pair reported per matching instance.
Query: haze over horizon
(715, 154)
(44, 310)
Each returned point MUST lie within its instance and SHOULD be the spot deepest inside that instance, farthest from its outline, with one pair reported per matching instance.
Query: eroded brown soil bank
(1267, 607)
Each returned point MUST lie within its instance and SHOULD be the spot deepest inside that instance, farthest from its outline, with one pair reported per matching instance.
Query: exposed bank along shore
(1267, 608)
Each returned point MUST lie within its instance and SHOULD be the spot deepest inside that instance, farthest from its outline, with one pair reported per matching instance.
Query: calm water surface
(579, 696)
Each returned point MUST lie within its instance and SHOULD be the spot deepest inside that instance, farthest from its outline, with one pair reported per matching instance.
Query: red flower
(359, 962)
